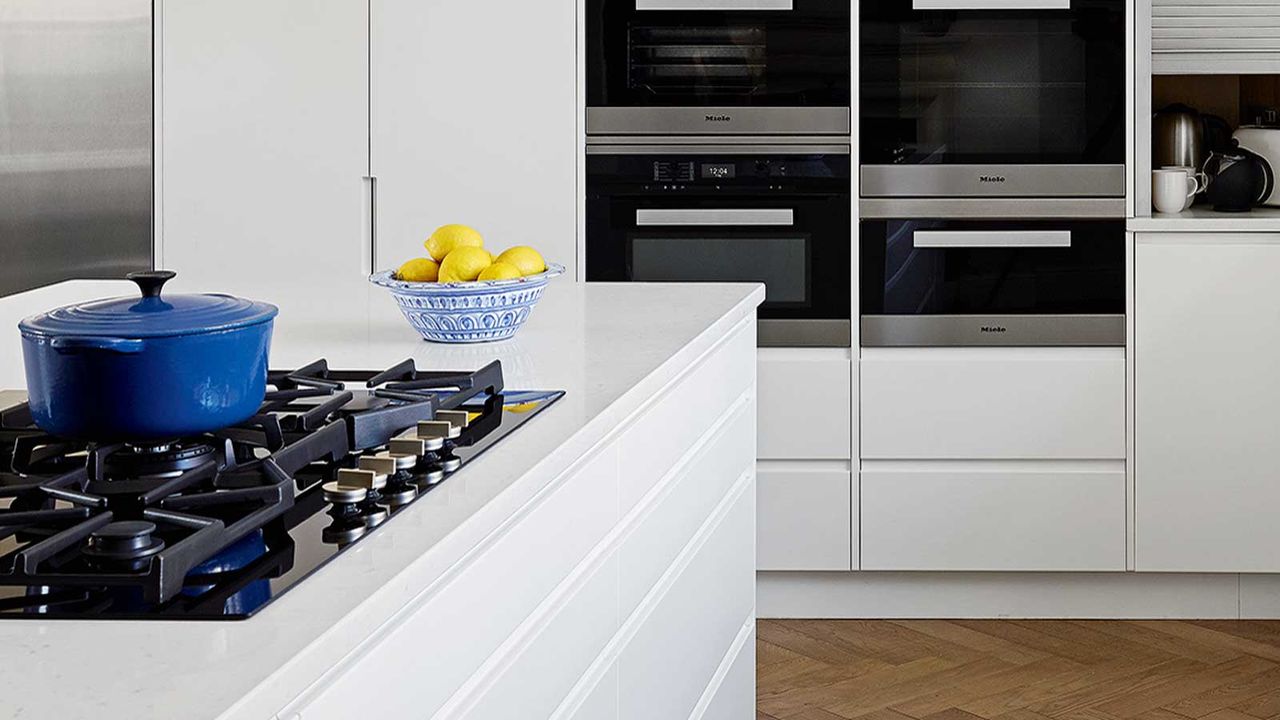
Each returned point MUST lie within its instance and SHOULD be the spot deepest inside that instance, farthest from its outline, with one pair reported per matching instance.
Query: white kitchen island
(597, 564)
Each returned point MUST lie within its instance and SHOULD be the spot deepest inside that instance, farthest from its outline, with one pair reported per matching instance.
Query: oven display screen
(718, 171)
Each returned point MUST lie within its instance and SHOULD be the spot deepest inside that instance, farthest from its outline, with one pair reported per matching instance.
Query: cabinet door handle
(776, 217)
(991, 4)
(715, 5)
(993, 239)
(369, 191)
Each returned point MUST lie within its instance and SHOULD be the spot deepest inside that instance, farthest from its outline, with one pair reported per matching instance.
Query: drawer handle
(991, 4)
(773, 217)
(983, 239)
(715, 5)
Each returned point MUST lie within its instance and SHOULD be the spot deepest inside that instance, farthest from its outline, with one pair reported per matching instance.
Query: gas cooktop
(216, 526)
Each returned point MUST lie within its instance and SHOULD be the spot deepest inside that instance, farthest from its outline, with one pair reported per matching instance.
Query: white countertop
(609, 346)
(1203, 218)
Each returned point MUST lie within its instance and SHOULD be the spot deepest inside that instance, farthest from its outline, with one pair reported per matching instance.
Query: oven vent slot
(673, 172)
(697, 60)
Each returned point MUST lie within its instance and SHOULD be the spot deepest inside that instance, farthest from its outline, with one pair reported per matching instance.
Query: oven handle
(772, 217)
(715, 5)
(990, 4)
(992, 239)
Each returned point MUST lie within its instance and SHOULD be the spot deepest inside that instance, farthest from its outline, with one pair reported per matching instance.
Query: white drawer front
(994, 516)
(805, 404)
(804, 516)
(993, 403)
(693, 495)
(664, 669)
(540, 675)
(483, 605)
(663, 434)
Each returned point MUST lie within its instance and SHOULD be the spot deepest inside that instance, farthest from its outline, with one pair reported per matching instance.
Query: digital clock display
(718, 171)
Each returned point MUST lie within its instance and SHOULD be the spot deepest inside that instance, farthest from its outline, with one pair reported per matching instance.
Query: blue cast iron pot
(147, 369)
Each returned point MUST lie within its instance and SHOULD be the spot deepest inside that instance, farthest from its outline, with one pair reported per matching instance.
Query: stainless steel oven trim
(719, 148)
(718, 120)
(804, 333)
(1031, 180)
(992, 208)
(992, 330)
(715, 5)
(744, 217)
(700, 140)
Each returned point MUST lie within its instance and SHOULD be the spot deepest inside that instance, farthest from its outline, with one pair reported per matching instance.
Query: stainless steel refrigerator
(75, 140)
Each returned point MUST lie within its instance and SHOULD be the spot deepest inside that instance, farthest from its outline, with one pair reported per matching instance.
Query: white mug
(1202, 180)
(1172, 190)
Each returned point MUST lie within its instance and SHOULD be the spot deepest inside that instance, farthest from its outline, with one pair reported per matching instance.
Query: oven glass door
(959, 84)
(711, 220)
(718, 53)
(992, 282)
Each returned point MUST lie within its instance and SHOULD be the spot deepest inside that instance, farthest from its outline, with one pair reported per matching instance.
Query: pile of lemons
(457, 254)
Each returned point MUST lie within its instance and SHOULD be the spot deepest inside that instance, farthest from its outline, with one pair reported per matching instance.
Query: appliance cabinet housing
(1207, 325)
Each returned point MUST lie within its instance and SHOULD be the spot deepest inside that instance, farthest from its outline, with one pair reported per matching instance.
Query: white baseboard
(1016, 595)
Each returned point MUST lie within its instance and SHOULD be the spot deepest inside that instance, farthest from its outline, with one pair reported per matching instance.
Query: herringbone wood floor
(1017, 670)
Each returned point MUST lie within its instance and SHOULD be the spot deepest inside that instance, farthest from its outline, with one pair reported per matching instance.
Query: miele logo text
(994, 329)
(718, 118)
(991, 178)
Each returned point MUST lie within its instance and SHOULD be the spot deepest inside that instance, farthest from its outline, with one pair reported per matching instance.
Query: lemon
(419, 270)
(500, 270)
(464, 264)
(447, 237)
(525, 258)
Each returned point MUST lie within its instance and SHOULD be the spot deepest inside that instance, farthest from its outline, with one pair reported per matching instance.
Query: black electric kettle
(1238, 179)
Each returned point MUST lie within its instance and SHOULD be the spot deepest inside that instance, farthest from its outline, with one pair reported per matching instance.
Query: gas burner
(124, 543)
(211, 526)
(131, 462)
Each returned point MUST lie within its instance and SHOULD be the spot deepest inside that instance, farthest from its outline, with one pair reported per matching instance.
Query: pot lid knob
(150, 281)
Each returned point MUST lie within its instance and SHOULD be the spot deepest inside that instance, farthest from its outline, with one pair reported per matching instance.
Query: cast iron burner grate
(217, 525)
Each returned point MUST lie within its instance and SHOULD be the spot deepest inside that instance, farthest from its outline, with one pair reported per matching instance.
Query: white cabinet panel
(993, 403)
(804, 516)
(709, 601)
(536, 679)
(666, 431)
(805, 404)
(735, 699)
(993, 516)
(482, 605)
(475, 121)
(692, 496)
(601, 702)
(1207, 394)
(264, 142)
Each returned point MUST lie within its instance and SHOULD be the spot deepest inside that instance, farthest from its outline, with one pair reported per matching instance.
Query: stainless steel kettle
(1182, 136)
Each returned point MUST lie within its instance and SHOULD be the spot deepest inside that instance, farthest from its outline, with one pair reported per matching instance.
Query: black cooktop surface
(216, 526)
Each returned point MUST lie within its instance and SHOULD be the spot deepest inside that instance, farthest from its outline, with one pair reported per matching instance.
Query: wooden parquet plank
(1207, 654)
(876, 697)
(1266, 705)
(1173, 690)
(1081, 652)
(1227, 695)
(935, 699)
(974, 640)
(1097, 683)
(1215, 637)
(790, 702)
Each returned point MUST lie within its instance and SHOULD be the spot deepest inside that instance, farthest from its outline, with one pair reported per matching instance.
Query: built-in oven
(992, 98)
(774, 214)
(933, 281)
(714, 67)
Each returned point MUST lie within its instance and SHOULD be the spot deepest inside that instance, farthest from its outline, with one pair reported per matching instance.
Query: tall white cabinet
(262, 141)
(1207, 402)
(475, 120)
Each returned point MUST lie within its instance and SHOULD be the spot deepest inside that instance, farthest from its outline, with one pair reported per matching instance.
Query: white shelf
(1204, 219)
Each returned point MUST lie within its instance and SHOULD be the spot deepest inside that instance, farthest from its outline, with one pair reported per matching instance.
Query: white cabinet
(805, 404)
(993, 516)
(1207, 473)
(263, 127)
(474, 120)
(804, 516)
(993, 403)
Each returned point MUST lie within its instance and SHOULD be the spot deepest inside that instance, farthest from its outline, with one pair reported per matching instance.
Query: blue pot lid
(150, 315)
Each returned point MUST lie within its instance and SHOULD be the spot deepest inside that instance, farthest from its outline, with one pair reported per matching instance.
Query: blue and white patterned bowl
(467, 312)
